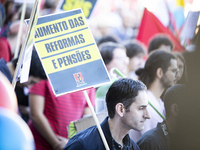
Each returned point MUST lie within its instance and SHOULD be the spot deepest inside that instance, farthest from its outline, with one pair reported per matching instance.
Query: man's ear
(159, 73)
(174, 109)
(120, 109)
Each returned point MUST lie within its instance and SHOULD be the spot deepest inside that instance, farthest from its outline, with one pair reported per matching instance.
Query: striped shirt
(59, 111)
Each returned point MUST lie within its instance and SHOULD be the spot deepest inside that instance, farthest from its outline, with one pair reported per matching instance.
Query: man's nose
(147, 115)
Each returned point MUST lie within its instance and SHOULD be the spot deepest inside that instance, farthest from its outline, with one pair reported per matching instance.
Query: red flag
(150, 25)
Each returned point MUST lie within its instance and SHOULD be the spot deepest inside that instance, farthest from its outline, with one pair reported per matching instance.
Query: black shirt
(155, 139)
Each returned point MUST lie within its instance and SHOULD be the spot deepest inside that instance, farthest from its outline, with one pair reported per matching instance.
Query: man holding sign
(127, 109)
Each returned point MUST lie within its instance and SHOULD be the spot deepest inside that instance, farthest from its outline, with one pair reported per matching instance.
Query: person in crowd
(160, 137)
(8, 45)
(11, 14)
(180, 129)
(159, 73)
(187, 135)
(182, 70)
(160, 41)
(51, 115)
(135, 51)
(127, 103)
(114, 56)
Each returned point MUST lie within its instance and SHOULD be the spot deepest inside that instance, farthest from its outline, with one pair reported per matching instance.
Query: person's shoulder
(150, 135)
(40, 84)
(88, 133)
(153, 138)
(81, 139)
(39, 88)
(74, 143)
(147, 140)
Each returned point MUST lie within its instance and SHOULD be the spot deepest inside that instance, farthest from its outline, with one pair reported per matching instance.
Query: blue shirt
(89, 139)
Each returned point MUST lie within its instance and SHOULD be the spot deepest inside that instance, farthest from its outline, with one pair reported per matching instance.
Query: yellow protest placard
(69, 53)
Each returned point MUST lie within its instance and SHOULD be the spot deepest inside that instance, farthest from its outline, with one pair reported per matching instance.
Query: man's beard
(166, 82)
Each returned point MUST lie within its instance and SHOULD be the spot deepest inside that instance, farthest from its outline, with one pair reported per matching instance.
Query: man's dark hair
(157, 59)
(174, 95)
(122, 91)
(105, 39)
(157, 41)
(133, 48)
(186, 136)
(106, 50)
(36, 68)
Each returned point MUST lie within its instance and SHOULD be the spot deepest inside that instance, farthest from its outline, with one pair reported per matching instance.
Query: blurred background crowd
(134, 37)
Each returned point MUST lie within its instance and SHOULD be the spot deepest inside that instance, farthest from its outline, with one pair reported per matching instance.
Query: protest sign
(69, 53)
(87, 6)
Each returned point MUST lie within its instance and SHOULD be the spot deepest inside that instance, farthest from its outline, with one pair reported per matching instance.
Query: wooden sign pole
(96, 120)
(20, 30)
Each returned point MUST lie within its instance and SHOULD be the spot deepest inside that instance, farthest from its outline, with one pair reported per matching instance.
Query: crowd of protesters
(164, 81)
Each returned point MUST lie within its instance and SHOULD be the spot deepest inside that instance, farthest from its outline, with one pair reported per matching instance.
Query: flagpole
(20, 30)
(24, 45)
